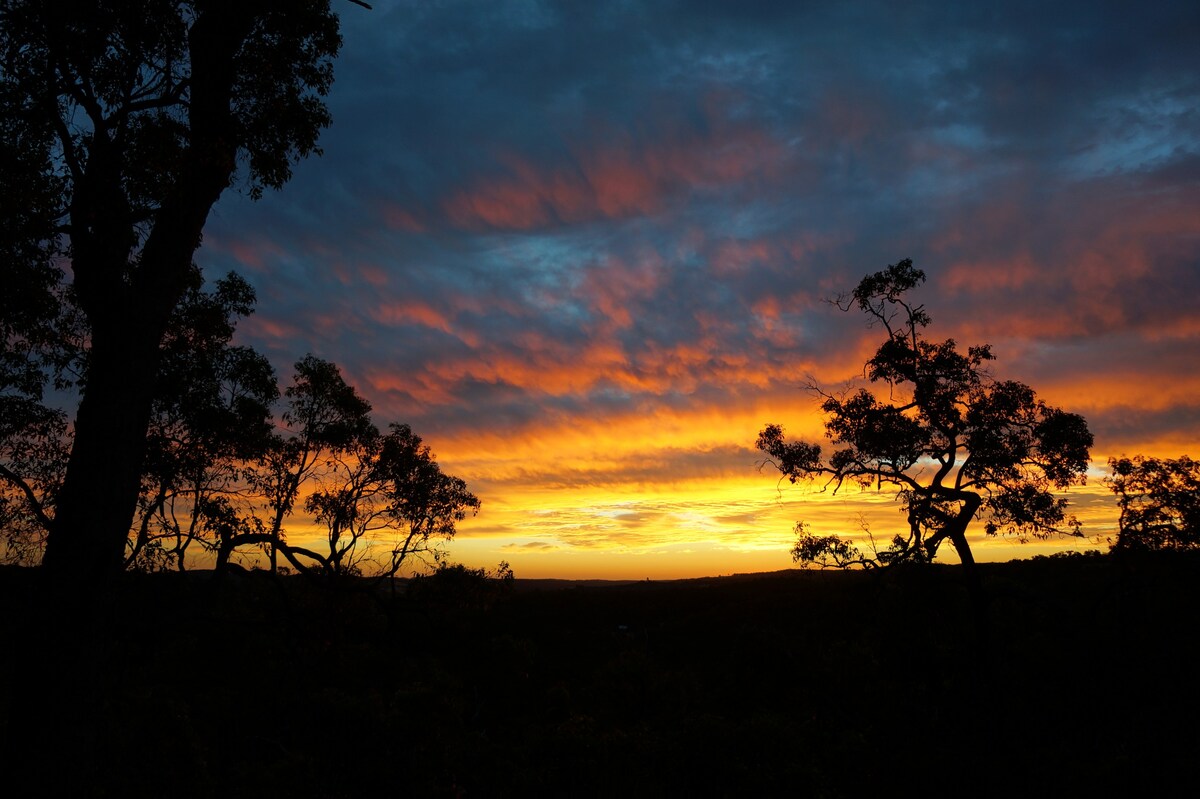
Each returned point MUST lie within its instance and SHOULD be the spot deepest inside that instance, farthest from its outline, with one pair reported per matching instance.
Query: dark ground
(1085, 682)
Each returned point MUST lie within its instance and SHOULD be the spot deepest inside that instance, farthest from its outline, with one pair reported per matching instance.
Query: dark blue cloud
(515, 192)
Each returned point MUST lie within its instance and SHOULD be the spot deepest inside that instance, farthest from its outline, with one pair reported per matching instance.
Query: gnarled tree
(951, 440)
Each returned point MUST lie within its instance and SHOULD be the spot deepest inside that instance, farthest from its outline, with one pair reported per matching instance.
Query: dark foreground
(1086, 681)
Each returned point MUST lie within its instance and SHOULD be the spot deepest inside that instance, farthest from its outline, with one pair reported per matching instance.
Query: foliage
(211, 415)
(32, 434)
(33, 457)
(123, 123)
(28, 248)
(1159, 501)
(385, 488)
(456, 585)
(952, 441)
(324, 417)
(122, 99)
(221, 472)
(420, 501)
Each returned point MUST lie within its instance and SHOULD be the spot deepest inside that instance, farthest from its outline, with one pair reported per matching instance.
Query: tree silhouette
(364, 487)
(33, 450)
(211, 415)
(389, 487)
(32, 434)
(140, 114)
(1159, 501)
(325, 418)
(421, 503)
(952, 441)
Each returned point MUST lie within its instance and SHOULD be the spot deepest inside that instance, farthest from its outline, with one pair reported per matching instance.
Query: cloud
(589, 248)
(615, 180)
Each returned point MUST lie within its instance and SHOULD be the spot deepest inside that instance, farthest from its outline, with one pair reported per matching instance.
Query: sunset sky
(583, 249)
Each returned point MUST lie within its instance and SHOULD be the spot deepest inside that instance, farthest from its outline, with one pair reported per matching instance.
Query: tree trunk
(973, 580)
(99, 494)
(224, 550)
(957, 533)
(970, 570)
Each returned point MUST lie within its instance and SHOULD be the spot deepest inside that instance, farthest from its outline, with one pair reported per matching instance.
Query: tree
(1159, 501)
(211, 415)
(364, 487)
(954, 442)
(420, 502)
(32, 434)
(142, 113)
(390, 487)
(454, 585)
(325, 418)
(33, 449)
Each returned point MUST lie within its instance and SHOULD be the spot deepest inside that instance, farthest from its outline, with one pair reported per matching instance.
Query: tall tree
(953, 441)
(143, 111)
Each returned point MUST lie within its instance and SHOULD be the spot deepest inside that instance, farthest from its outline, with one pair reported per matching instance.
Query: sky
(586, 250)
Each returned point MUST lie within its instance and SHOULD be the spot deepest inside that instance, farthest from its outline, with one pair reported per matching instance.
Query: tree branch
(35, 504)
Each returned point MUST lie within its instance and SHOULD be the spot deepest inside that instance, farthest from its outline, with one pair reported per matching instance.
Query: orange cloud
(610, 287)
(256, 253)
(410, 312)
(982, 276)
(1145, 390)
(373, 275)
(734, 256)
(274, 330)
(613, 181)
(397, 218)
(1102, 275)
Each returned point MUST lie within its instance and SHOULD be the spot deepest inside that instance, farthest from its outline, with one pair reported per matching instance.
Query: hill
(822, 684)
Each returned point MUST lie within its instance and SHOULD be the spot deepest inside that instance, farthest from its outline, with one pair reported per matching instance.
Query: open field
(801, 683)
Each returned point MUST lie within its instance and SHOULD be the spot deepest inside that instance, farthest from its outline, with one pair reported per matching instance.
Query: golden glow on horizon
(708, 527)
(667, 485)
(669, 491)
(677, 493)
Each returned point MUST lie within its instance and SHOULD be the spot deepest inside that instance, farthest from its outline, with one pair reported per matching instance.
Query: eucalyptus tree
(211, 416)
(952, 441)
(138, 116)
(382, 504)
(32, 433)
(34, 440)
(324, 418)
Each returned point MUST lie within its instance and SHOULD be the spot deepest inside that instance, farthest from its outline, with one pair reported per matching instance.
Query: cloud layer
(585, 252)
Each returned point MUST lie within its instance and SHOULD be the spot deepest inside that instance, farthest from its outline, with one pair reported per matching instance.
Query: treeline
(230, 458)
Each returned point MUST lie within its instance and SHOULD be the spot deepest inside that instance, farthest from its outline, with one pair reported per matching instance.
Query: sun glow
(669, 498)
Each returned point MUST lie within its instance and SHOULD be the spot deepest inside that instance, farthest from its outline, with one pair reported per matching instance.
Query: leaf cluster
(123, 93)
(1159, 499)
